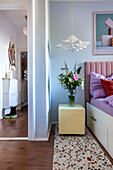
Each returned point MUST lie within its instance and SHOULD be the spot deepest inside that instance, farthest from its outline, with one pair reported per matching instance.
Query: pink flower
(75, 77)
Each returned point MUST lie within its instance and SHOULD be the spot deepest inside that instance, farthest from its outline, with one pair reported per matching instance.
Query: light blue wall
(60, 29)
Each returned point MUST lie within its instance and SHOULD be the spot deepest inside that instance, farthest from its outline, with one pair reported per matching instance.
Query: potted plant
(70, 80)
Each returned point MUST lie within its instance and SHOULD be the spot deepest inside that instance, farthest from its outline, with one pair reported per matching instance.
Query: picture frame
(102, 33)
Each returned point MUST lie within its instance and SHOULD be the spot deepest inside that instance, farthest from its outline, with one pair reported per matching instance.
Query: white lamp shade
(73, 43)
(25, 30)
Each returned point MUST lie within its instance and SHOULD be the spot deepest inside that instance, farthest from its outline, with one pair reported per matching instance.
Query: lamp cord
(72, 17)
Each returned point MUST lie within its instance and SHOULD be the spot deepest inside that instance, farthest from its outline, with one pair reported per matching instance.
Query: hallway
(17, 127)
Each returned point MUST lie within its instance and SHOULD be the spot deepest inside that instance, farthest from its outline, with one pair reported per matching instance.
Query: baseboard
(26, 138)
(48, 135)
(24, 104)
(53, 123)
(41, 139)
(13, 138)
(49, 131)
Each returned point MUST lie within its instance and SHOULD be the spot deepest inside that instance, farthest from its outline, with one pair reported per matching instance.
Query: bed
(99, 120)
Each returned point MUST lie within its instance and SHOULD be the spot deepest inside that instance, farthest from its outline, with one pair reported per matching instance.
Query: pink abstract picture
(103, 34)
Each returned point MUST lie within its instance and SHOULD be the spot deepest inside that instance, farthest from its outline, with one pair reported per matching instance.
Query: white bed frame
(101, 124)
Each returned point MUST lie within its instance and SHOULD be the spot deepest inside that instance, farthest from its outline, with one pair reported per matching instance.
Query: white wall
(60, 29)
(40, 73)
(48, 62)
(21, 45)
(8, 30)
(38, 114)
(41, 66)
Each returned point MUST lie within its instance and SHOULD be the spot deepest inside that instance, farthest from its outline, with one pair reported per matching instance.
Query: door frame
(19, 50)
(30, 7)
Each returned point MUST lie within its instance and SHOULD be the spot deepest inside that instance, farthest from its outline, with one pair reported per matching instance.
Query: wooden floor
(25, 155)
(17, 127)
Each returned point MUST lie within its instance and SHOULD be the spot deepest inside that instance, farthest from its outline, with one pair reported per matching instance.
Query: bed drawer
(96, 123)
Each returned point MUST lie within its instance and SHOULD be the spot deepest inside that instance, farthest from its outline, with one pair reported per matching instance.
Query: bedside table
(71, 119)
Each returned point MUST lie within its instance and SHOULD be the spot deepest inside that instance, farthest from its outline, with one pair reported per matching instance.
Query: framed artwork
(103, 34)
(12, 54)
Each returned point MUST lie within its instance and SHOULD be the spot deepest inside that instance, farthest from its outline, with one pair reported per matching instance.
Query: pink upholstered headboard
(105, 68)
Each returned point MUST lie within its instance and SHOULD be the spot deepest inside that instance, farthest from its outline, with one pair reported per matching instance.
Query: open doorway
(13, 74)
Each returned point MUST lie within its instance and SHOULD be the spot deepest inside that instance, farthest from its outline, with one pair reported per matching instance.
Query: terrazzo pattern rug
(78, 152)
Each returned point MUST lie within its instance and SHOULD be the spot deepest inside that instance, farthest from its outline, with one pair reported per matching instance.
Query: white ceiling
(16, 17)
(79, 0)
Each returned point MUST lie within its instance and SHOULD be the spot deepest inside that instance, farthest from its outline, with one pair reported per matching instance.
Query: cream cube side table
(71, 119)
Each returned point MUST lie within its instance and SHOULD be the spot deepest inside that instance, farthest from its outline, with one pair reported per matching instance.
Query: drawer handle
(93, 118)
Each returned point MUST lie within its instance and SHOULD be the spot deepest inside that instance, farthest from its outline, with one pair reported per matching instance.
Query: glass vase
(71, 97)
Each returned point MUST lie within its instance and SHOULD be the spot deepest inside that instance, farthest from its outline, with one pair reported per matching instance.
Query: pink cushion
(109, 100)
(96, 88)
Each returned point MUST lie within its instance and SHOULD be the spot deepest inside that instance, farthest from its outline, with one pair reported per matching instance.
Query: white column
(31, 71)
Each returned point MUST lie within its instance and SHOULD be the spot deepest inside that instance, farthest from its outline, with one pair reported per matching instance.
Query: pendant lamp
(72, 42)
(25, 28)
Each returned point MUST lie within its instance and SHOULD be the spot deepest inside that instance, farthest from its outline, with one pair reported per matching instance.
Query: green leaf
(78, 70)
(63, 69)
(75, 66)
(60, 74)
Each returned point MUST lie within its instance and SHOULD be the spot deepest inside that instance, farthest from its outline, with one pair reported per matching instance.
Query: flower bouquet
(70, 80)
